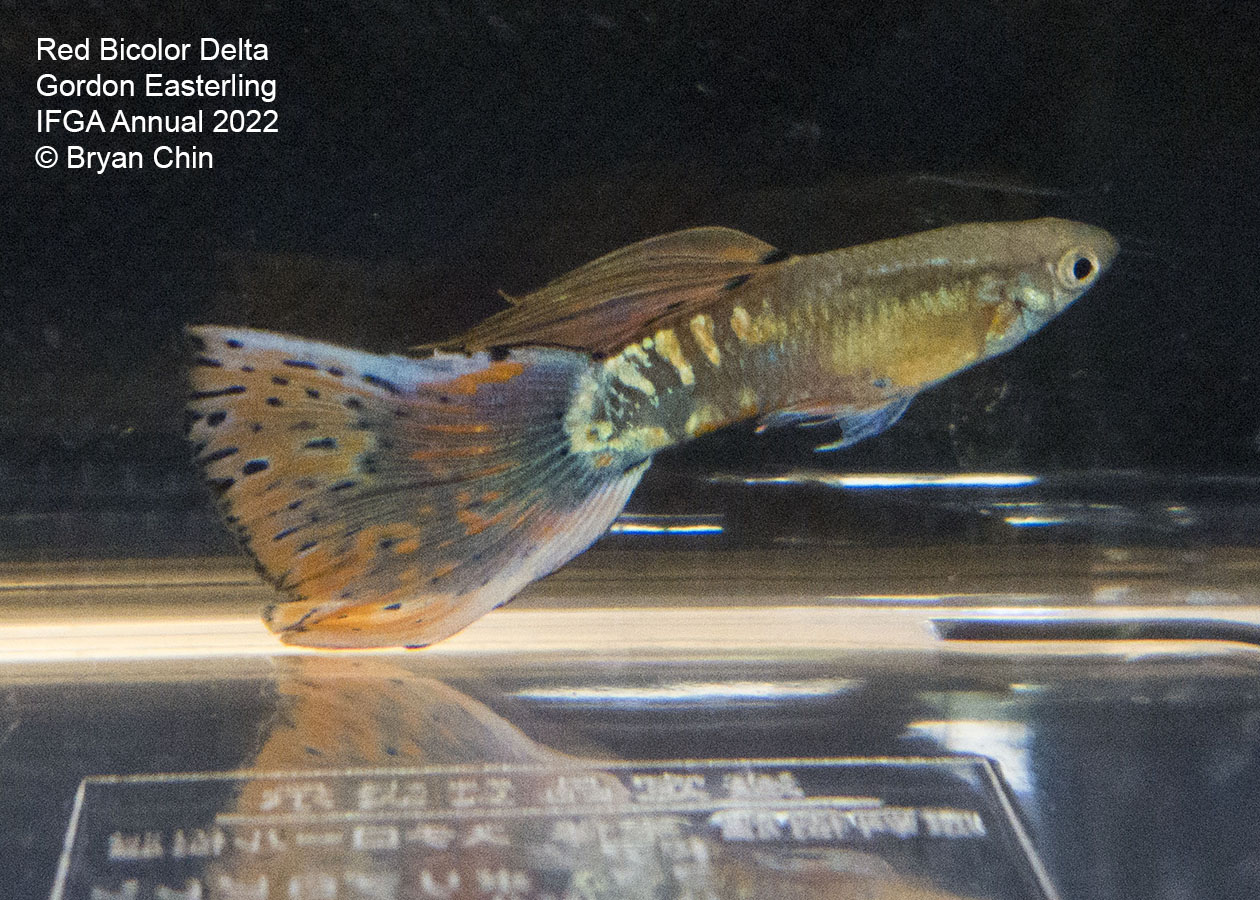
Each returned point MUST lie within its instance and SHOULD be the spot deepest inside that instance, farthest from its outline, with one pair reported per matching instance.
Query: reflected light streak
(590, 630)
(636, 527)
(1035, 521)
(903, 480)
(688, 692)
(140, 639)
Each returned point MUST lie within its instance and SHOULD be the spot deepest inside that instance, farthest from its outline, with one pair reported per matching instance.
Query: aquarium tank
(943, 580)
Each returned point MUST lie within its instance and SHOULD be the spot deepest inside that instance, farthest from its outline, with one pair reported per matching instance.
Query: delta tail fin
(394, 500)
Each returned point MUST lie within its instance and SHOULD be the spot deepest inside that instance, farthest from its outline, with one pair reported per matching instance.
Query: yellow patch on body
(667, 346)
(706, 418)
(766, 327)
(641, 440)
(626, 367)
(749, 405)
(702, 331)
(590, 437)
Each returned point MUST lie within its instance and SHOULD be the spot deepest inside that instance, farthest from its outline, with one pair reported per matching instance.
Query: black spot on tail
(254, 466)
(343, 485)
(325, 443)
(196, 342)
(735, 282)
(498, 354)
(221, 453)
(234, 343)
(279, 379)
(224, 392)
(207, 362)
(774, 256)
(312, 393)
(394, 606)
(216, 418)
(383, 384)
(221, 486)
(301, 364)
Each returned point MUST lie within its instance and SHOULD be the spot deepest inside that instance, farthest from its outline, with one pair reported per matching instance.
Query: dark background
(433, 153)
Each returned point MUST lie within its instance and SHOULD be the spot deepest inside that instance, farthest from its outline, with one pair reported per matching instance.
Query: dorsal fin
(612, 301)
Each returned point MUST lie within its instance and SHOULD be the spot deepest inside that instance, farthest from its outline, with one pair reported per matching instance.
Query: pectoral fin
(857, 424)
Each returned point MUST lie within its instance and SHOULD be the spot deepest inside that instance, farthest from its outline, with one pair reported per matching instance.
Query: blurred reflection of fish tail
(364, 712)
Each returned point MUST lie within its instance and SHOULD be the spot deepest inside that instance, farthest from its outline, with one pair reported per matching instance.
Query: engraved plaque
(927, 829)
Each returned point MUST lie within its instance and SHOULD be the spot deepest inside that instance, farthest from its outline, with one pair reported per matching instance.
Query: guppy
(395, 499)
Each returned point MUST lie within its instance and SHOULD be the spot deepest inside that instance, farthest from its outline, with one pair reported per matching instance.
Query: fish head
(1041, 268)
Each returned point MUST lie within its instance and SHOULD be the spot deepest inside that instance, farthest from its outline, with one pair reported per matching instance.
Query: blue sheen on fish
(394, 499)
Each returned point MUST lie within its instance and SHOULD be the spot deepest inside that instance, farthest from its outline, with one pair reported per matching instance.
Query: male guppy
(395, 499)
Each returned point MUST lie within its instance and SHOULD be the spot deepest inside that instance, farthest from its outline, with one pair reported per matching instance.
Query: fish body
(835, 336)
(395, 499)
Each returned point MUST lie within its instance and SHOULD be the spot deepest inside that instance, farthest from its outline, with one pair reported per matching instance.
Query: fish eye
(1077, 268)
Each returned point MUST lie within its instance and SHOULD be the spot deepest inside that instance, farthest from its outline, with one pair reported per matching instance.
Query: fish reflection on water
(395, 499)
(336, 714)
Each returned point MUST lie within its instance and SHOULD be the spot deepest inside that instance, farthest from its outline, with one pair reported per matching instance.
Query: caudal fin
(394, 500)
